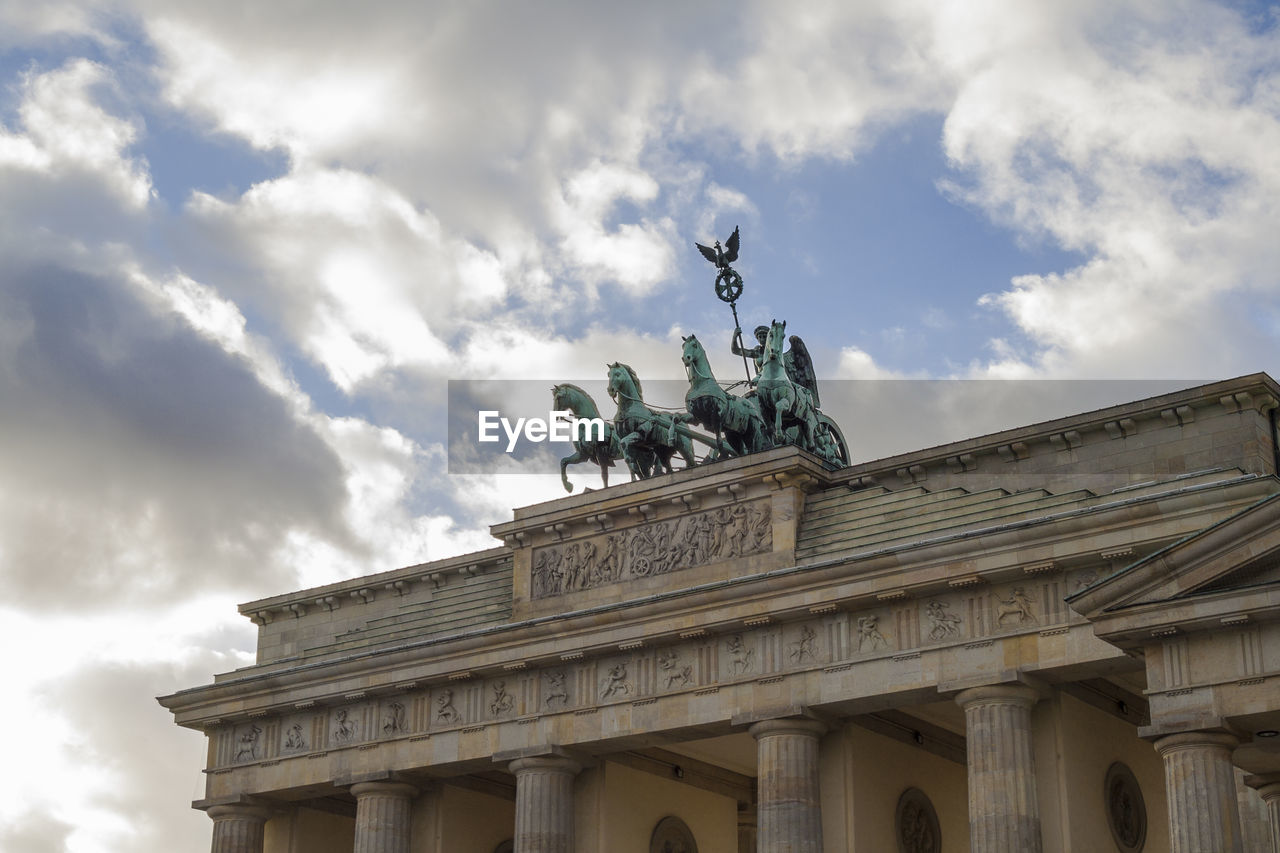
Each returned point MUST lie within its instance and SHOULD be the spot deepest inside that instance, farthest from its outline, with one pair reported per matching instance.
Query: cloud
(819, 81)
(36, 831)
(130, 439)
(25, 22)
(1150, 154)
(67, 133)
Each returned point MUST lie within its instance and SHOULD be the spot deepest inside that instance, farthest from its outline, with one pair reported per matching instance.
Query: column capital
(386, 789)
(998, 694)
(238, 811)
(1196, 740)
(788, 726)
(546, 764)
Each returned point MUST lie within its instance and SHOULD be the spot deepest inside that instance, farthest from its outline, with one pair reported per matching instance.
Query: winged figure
(800, 367)
(721, 256)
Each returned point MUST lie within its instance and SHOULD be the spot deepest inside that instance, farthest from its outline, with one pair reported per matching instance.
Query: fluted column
(1004, 816)
(1270, 793)
(237, 828)
(788, 807)
(383, 816)
(544, 803)
(746, 830)
(1200, 784)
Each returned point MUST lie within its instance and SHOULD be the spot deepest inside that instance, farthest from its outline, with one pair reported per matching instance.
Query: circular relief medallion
(917, 823)
(1126, 812)
(672, 835)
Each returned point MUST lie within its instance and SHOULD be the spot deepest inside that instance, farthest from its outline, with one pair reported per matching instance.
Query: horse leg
(633, 465)
(565, 463)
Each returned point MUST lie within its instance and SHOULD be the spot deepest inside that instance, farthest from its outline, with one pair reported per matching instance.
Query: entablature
(985, 574)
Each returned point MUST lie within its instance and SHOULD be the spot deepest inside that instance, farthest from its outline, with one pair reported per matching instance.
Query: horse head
(623, 380)
(775, 340)
(691, 350)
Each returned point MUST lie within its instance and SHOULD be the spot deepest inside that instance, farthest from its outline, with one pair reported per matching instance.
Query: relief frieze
(555, 690)
(247, 743)
(616, 682)
(446, 712)
(675, 672)
(698, 665)
(344, 728)
(724, 533)
(501, 702)
(295, 740)
(1017, 606)
(393, 719)
(943, 624)
(870, 638)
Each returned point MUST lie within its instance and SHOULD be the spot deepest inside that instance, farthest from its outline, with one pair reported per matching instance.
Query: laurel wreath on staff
(728, 282)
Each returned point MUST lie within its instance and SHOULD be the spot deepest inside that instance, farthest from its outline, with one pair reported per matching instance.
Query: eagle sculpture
(719, 256)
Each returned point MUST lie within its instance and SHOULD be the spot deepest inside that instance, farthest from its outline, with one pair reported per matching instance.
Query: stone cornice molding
(650, 619)
(1151, 598)
(665, 495)
(366, 588)
(1162, 575)
(1256, 392)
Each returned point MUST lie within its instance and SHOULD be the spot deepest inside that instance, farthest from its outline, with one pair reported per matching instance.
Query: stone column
(1270, 793)
(1200, 784)
(788, 807)
(383, 816)
(1004, 816)
(746, 829)
(544, 803)
(237, 828)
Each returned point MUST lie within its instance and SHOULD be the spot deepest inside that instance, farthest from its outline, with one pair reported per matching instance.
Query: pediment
(1240, 552)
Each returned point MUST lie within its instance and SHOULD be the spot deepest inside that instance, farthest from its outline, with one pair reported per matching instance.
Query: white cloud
(1152, 156)
(24, 22)
(66, 131)
(818, 80)
(355, 274)
(638, 256)
(857, 363)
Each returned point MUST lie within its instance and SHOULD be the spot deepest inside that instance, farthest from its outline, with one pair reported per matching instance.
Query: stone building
(1061, 637)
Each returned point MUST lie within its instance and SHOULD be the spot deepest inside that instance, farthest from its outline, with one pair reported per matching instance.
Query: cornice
(848, 582)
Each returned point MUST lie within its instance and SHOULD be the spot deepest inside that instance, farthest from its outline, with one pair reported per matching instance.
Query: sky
(244, 247)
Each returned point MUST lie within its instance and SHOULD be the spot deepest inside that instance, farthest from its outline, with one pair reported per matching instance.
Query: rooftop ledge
(790, 467)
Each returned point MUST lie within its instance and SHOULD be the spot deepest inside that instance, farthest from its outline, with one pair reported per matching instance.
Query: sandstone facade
(1063, 637)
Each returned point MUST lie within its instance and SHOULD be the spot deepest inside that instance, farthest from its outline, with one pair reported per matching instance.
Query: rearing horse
(780, 396)
(738, 419)
(640, 429)
(586, 449)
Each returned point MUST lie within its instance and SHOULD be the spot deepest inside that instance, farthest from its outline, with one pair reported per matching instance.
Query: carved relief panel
(695, 539)
(917, 823)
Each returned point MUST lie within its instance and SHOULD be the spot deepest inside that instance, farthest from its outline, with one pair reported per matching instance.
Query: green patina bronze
(780, 407)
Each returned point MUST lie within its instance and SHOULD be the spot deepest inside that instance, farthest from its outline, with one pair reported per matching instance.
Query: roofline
(1212, 391)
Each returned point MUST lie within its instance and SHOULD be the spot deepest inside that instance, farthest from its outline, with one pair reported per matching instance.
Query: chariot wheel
(829, 427)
